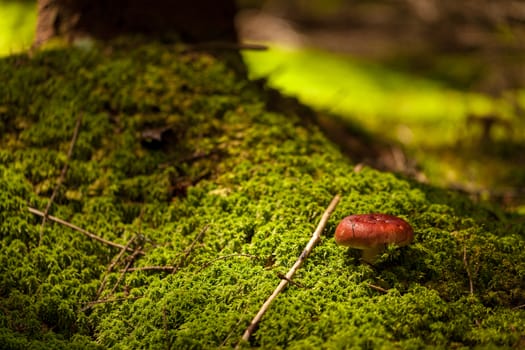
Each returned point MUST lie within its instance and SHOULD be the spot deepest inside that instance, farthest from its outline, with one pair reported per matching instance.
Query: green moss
(259, 181)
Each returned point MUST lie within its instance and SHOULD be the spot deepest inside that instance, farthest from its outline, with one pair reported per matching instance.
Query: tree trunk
(192, 21)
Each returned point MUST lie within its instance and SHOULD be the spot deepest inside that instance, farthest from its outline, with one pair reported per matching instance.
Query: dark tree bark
(192, 21)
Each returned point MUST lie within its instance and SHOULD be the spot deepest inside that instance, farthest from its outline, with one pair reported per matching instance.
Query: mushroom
(372, 233)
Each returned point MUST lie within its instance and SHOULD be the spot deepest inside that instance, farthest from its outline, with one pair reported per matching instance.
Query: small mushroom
(372, 233)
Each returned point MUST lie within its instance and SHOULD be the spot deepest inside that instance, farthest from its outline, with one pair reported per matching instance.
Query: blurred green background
(17, 25)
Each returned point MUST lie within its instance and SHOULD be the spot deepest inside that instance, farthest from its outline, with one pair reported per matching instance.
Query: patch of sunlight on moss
(17, 25)
(440, 127)
(377, 97)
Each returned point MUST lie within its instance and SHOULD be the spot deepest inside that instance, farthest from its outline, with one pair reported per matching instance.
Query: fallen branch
(131, 259)
(292, 282)
(373, 286)
(467, 267)
(232, 331)
(81, 230)
(190, 248)
(112, 265)
(61, 178)
(316, 236)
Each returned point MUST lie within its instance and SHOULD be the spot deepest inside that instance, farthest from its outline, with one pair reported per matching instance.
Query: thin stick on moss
(190, 248)
(467, 267)
(316, 236)
(379, 289)
(81, 230)
(131, 259)
(232, 331)
(61, 178)
(112, 265)
(292, 282)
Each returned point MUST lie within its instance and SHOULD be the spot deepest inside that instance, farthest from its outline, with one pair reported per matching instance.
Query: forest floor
(152, 195)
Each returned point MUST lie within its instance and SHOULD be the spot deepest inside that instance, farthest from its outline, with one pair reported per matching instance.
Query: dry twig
(223, 344)
(131, 259)
(467, 267)
(61, 178)
(316, 236)
(380, 289)
(112, 265)
(81, 230)
(190, 248)
(292, 282)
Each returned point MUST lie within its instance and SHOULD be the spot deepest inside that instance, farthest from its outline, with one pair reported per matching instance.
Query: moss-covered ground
(179, 158)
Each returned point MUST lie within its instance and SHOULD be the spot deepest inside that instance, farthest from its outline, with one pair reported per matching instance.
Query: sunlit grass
(17, 26)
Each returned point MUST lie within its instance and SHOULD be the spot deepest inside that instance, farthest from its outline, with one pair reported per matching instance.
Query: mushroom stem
(370, 254)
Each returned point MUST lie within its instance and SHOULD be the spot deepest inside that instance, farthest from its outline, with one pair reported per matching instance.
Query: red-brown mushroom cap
(367, 231)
